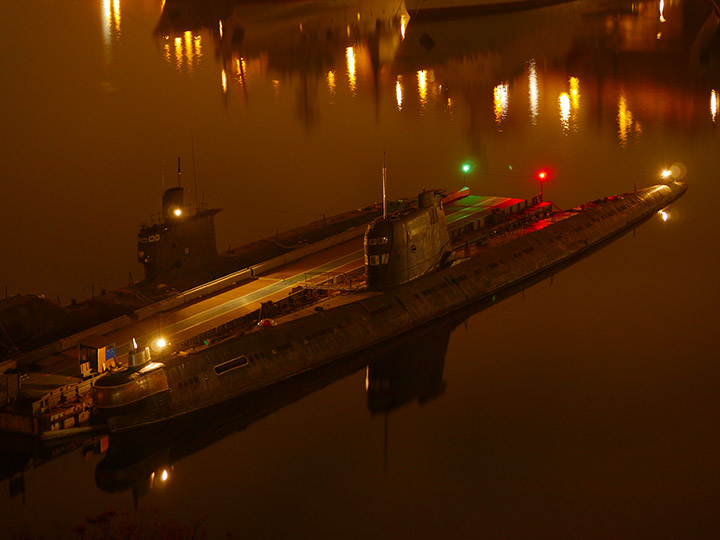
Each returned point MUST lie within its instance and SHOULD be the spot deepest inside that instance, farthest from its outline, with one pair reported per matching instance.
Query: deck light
(177, 212)
(159, 344)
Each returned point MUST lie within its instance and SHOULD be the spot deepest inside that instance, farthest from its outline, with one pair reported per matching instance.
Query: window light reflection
(178, 53)
(185, 50)
(626, 123)
(197, 47)
(713, 105)
(422, 87)
(500, 102)
(331, 85)
(351, 69)
(575, 93)
(564, 104)
(399, 92)
(533, 91)
(111, 22)
(187, 38)
(404, 20)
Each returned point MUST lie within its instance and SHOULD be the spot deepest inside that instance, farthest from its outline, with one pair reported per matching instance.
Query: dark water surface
(586, 406)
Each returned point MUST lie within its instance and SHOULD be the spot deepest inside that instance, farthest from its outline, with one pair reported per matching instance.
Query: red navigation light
(542, 176)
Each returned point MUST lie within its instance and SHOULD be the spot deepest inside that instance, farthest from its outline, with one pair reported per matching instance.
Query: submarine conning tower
(406, 245)
(179, 239)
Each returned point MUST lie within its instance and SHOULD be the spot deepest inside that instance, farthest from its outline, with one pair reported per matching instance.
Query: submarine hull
(256, 360)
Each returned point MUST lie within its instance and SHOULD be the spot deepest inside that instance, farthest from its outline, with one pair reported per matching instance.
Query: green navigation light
(467, 167)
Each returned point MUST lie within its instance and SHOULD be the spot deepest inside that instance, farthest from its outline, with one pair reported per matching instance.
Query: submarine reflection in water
(409, 369)
(398, 372)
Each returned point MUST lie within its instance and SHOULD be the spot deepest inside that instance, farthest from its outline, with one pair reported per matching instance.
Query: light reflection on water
(533, 91)
(501, 103)
(548, 401)
(111, 20)
(351, 69)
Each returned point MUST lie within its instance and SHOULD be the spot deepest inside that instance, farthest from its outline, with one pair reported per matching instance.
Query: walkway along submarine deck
(415, 271)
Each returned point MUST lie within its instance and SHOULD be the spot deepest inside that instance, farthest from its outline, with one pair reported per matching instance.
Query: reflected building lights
(197, 47)
(185, 50)
(189, 49)
(111, 22)
(351, 69)
(570, 105)
(399, 92)
(240, 68)
(422, 87)
(533, 91)
(575, 93)
(626, 123)
(178, 53)
(713, 105)
(331, 85)
(404, 20)
(223, 80)
(220, 29)
(662, 9)
(166, 51)
(500, 102)
(564, 105)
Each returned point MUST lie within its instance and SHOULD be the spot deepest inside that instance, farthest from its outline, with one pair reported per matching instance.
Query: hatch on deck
(95, 355)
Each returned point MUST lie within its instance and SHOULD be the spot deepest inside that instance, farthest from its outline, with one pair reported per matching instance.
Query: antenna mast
(179, 183)
(192, 147)
(384, 188)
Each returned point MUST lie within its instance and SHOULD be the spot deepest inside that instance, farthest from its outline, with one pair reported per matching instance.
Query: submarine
(415, 272)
